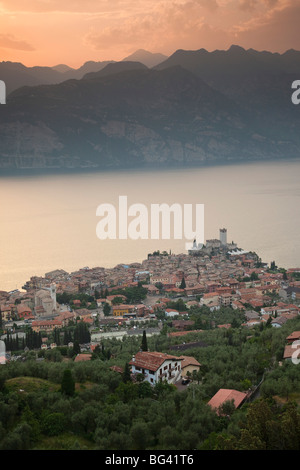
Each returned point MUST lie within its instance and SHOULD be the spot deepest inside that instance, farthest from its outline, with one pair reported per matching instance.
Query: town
(163, 288)
(216, 324)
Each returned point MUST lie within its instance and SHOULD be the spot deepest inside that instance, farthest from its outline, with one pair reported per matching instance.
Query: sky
(71, 32)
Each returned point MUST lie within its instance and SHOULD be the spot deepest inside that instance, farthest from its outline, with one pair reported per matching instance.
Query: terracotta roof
(189, 361)
(46, 323)
(151, 360)
(224, 395)
(288, 351)
(183, 333)
(294, 335)
(82, 357)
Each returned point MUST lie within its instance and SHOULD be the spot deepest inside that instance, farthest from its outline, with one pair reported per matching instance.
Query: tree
(53, 423)
(126, 376)
(140, 435)
(144, 345)
(183, 284)
(67, 383)
(273, 266)
(106, 309)
(81, 333)
(254, 276)
(76, 347)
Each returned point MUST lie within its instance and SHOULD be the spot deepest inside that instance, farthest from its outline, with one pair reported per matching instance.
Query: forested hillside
(52, 402)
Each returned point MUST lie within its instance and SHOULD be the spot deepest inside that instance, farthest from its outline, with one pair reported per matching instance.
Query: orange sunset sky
(51, 32)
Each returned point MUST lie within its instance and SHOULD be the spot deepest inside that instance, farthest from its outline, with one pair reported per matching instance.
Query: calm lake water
(49, 222)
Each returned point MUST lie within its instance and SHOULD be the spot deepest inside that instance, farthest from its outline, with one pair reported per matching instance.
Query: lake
(49, 221)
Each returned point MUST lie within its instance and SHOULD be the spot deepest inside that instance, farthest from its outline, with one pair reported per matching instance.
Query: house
(152, 289)
(293, 292)
(252, 315)
(198, 289)
(183, 324)
(209, 298)
(224, 395)
(24, 311)
(236, 305)
(291, 352)
(65, 317)
(189, 364)
(82, 357)
(45, 325)
(278, 322)
(293, 337)
(124, 310)
(118, 369)
(225, 299)
(6, 312)
(82, 313)
(156, 366)
(171, 312)
(174, 334)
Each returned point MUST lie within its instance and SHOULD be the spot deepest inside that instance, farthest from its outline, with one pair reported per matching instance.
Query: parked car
(185, 381)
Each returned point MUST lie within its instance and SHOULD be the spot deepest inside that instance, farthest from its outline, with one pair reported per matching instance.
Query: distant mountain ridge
(194, 108)
(147, 58)
(16, 75)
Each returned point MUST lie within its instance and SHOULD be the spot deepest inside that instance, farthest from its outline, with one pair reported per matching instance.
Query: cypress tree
(144, 345)
(126, 376)
(67, 383)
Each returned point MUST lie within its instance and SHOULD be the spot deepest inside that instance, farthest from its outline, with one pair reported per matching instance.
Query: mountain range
(16, 75)
(149, 110)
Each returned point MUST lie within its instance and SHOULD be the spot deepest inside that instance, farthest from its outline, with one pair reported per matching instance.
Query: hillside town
(212, 276)
(189, 327)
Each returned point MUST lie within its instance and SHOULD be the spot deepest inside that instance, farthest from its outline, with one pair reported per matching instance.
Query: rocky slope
(130, 116)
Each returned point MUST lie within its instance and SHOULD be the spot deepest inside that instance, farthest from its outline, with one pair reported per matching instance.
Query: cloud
(209, 4)
(247, 5)
(70, 6)
(8, 41)
(76, 31)
(277, 30)
(167, 27)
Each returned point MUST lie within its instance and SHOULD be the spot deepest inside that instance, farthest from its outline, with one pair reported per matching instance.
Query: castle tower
(53, 294)
(223, 236)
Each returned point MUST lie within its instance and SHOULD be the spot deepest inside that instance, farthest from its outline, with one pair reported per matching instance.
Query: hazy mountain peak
(62, 68)
(236, 48)
(150, 59)
(116, 67)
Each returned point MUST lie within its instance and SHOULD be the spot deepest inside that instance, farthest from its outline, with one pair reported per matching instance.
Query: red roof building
(156, 366)
(224, 395)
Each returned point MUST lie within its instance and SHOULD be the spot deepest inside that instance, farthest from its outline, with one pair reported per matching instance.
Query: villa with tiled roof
(156, 366)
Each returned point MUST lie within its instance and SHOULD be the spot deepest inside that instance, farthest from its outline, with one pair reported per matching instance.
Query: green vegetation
(62, 404)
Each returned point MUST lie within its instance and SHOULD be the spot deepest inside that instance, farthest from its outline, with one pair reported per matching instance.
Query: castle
(213, 244)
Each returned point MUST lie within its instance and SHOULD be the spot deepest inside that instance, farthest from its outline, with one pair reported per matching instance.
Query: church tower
(223, 236)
